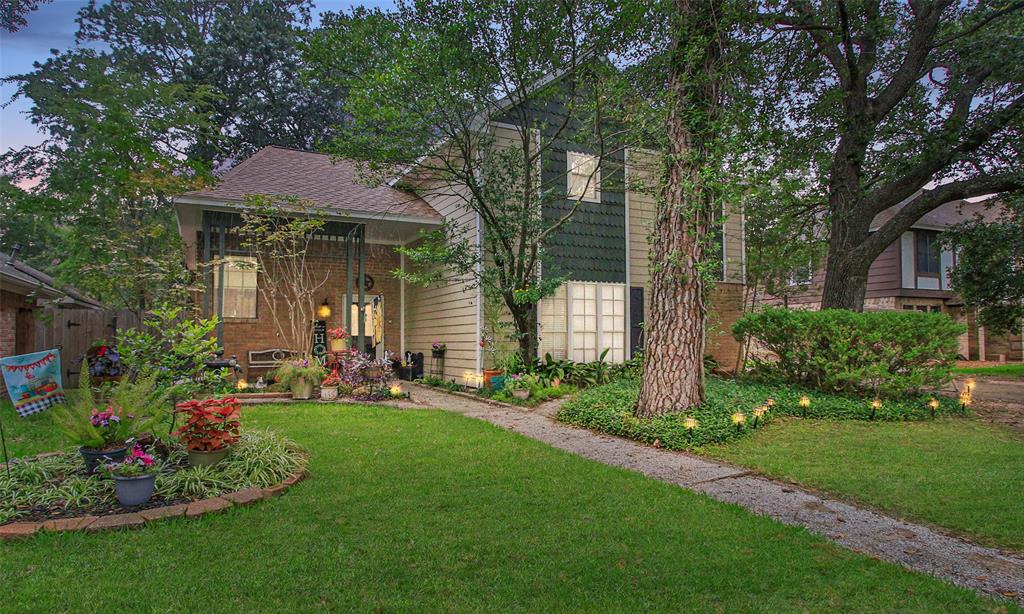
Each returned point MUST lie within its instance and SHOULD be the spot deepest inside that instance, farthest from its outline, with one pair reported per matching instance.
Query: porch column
(207, 271)
(221, 248)
(348, 282)
(362, 285)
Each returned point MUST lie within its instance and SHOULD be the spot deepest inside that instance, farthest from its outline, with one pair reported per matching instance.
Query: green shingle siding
(592, 245)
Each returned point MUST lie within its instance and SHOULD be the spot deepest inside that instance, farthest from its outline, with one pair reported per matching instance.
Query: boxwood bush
(888, 352)
(609, 409)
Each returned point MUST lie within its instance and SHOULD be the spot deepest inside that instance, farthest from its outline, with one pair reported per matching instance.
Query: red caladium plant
(209, 425)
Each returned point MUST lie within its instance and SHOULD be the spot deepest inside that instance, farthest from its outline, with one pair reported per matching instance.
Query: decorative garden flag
(33, 380)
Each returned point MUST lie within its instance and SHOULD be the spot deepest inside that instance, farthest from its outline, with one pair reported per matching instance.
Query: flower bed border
(133, 520)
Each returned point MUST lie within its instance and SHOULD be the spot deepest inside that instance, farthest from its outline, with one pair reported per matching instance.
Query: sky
(53, 26)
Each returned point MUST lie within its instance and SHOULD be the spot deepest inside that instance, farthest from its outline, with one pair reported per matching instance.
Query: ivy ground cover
(431, 511)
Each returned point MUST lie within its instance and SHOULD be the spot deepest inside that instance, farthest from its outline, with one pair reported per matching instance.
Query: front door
(636, 320)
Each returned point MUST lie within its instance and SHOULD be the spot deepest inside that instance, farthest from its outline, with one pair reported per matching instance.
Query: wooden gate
(74, 331)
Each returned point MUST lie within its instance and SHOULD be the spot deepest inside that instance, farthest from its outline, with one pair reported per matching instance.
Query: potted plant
(519, 385)
(339, 338)
(329, 387)
(134, 477)
(300, 375)
(210, 428)
(437, 349)
(129, 408)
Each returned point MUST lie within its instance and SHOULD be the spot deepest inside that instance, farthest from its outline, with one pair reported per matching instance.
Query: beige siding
(642, 168)
(446, 311)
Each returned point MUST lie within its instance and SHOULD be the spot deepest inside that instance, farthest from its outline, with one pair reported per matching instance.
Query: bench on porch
(269, 359)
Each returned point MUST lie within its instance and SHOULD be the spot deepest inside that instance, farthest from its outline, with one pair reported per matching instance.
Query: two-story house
(603, 251)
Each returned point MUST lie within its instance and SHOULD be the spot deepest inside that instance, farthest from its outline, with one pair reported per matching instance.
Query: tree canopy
(874, 103)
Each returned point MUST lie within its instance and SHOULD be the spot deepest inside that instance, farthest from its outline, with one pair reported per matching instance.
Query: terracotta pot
(197, 458)
(328, 393)
(301, 389)
(488, 375)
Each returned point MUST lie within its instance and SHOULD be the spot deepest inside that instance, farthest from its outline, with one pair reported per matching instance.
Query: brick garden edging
(134, 520)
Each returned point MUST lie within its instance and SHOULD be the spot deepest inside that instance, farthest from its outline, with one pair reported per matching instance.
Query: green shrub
(891, 352)
(609, 409)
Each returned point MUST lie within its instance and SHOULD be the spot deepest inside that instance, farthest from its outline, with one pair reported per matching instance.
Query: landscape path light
(805, 402)
(759, 413)
(690, 424)
(876, 404)
(738, 419)
(933, 405)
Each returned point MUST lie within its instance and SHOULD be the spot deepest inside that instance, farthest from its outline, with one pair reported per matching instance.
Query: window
(239, 287)
(584, 177)
(554, 325)
(581, 320)
(584, 322)
(613, 322)
(927, 252)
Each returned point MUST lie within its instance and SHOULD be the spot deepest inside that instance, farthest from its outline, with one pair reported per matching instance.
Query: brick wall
(725, 306)
(9, 305)
(326, 259)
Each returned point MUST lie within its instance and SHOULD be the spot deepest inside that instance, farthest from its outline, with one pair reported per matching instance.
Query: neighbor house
(913, 274)
(24, 293)
(603, 251)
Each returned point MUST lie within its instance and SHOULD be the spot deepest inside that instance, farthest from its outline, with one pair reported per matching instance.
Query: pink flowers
(105, 418)
(136, 463)
(337, 333)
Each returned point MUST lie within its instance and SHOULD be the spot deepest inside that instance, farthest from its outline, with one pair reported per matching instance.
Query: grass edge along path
(425, 510)
(954, 473)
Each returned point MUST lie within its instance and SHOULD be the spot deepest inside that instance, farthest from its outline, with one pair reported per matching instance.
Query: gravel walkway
(914, 546)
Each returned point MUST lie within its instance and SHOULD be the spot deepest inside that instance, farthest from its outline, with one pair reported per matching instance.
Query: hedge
(836, 350)
(609, 409)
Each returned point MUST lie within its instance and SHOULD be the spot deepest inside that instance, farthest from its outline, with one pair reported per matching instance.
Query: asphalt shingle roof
(314, 177)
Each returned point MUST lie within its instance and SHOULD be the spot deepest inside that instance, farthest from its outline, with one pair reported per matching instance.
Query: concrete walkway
(913, 546)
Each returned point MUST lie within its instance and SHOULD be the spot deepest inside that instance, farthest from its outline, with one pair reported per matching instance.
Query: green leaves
(891, 352)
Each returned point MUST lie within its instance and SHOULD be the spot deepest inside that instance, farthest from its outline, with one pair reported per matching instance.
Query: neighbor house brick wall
(9, 305)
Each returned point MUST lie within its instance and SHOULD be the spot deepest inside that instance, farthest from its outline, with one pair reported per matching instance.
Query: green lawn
(953, 472)
(429, 511)
(1008, 370)
(29, 435)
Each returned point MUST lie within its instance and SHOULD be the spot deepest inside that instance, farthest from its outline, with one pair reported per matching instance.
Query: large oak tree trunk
(673, 377)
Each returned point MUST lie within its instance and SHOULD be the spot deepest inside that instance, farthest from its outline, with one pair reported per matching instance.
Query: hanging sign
(320, 340)
(33, 380)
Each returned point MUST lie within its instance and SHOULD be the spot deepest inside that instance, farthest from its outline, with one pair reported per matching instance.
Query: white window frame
(229, 268)
(573, 292)
(575, 160)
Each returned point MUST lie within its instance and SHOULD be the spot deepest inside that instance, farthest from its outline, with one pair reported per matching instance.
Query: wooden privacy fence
(74, 331)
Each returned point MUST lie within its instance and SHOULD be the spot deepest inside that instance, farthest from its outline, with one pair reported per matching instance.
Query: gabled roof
(943, 216)
(330, 184)
(20, 277)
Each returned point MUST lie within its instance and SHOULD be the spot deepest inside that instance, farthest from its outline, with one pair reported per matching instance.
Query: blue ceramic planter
(135, 490)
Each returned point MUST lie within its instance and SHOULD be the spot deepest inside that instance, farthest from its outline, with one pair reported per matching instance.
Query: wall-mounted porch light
(324, 311)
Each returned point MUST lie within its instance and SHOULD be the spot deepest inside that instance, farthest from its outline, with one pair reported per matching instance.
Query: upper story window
(926, 248)
(240, 277)
(584, 177)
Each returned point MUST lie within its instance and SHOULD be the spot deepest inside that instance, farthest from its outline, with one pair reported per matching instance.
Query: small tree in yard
(989, 271)
(279, 236)
(424, 83)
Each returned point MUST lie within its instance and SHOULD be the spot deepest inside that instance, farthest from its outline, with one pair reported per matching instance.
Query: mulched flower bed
(53, 487)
